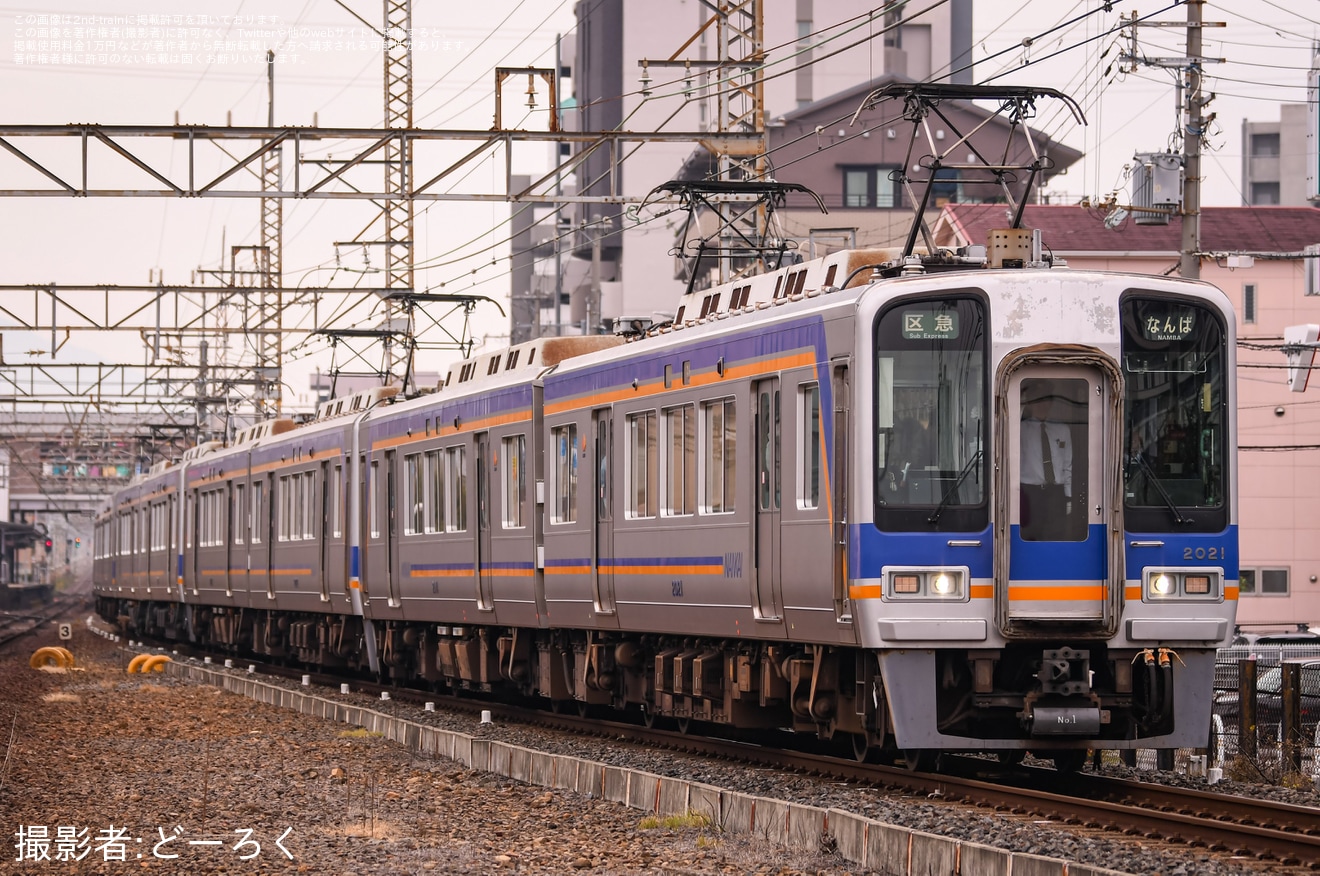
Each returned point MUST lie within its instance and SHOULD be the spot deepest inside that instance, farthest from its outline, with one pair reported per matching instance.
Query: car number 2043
(1205, 553)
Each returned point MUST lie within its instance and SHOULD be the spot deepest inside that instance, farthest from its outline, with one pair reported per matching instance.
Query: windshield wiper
(949, 493)
(1159, 488)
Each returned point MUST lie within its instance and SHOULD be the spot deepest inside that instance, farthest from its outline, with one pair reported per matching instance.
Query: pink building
(1257, 256)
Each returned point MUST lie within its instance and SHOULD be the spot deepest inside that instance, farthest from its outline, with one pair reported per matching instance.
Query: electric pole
(1193, 130)
(1192, 124)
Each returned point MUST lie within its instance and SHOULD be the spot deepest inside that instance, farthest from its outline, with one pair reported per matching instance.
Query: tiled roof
(1078, 229)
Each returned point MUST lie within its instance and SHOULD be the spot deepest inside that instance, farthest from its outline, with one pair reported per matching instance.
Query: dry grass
(61, 697)
(686, 821)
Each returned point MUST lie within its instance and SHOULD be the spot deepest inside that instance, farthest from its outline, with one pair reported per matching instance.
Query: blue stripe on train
(1059, 560)
(1210, 549)
(872, 550)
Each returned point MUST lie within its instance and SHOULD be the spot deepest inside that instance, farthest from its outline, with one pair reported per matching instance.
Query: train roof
(754, 297)
(523, 361)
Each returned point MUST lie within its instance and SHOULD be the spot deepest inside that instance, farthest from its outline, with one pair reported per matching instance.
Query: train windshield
(930, 415)
(1174, 417)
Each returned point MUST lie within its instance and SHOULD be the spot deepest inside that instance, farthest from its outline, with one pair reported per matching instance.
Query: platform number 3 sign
(66, 632)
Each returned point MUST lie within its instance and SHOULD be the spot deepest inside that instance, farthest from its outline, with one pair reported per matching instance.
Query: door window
(1052, 473)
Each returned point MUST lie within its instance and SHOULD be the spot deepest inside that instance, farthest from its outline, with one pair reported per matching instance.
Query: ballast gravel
(129, 770)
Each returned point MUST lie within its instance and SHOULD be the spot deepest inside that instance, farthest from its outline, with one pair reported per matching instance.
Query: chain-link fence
(1256, 739)
(1263, 752)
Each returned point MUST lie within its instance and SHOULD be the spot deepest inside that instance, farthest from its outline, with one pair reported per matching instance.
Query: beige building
(1274, 159)
(812, 49)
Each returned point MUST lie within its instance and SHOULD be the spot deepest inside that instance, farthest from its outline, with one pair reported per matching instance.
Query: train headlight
(1201, 584)
(925, 585)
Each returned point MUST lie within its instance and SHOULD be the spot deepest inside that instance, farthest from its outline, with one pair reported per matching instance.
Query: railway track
(19, 623)
(1262, 829)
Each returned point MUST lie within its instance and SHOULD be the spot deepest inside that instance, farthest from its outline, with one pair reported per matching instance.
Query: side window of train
(643, 465)
(718, 458)
(435, 499)
(373, 502)
(564, 473)
(414, 494)
(284, 498)
(240, 514)
(336, 502)
(257, 495)
(680, 461)
(309, 506)
(204, 519)
(458, 478)
(810, 443)
(514, 481)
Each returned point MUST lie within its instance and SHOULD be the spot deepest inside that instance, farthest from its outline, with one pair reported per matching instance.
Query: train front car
(1051, 556)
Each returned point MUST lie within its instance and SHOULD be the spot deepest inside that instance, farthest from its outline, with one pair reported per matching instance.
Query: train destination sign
(1174, 324)
(930, 325)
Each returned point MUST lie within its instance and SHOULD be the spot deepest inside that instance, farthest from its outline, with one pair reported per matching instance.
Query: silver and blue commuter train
(813, 501)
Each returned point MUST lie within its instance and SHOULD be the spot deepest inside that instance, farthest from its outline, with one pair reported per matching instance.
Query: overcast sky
(330, 70)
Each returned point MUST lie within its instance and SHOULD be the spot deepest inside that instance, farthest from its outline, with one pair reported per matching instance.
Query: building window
(870, 186)
(1248, 302)
(1263, 582)
(1265, 194)
(946, 188)
(1264, 145)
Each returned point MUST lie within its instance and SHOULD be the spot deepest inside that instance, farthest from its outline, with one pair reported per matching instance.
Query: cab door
(1058, 417)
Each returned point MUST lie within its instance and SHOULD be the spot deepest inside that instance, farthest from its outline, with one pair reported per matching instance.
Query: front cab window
(930, 423)
(1174, 417)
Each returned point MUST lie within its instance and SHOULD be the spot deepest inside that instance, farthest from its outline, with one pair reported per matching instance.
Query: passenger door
(765, 578)
(484, 568)
(838, 476)
(602, 558)
(1058, 417)
(322, 572)
(391, 529)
